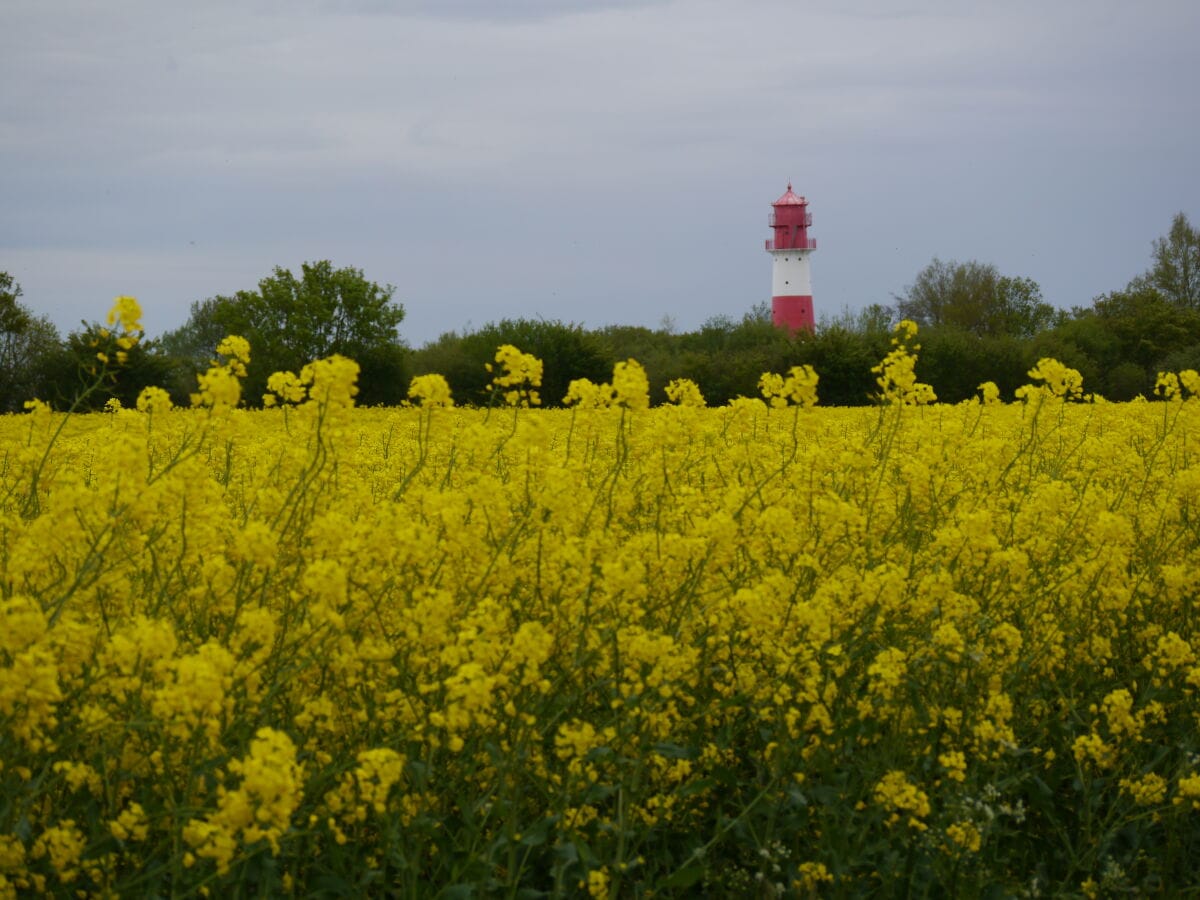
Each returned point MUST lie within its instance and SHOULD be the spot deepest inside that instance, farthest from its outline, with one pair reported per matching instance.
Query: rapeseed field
(767, 650)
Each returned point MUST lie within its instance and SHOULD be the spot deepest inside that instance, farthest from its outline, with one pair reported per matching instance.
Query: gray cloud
(595, 161)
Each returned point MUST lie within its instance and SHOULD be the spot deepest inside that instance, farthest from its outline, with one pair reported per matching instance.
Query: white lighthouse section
(790, 274)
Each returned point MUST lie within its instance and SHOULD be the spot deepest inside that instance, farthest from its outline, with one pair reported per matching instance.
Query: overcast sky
(596, 162)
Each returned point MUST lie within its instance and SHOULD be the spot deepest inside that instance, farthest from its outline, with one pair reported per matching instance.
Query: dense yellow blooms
(1057, 380)
(598, 883)
(899, 796)
(258, 809)
(897, 372)
(685, 392)
(965, 835)
(430, 390)
(799, 387)
(1189, 791)
(130, 825)
(126, 316)
(768, 649)
(1150, 790)
(519, 376)
(631, 387)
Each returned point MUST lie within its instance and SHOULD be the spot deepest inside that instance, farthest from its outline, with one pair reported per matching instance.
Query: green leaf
(685, 877)
(537, 835)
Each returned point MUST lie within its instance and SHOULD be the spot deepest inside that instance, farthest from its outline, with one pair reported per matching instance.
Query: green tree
(69, 373)
(976, 298)
(1127, 380)
(1122, 331)
(1180, 359)
(191, 347)
(874, 318)
(726, 357)
(842, 355)
(1146, 325)
(658, 350)
(1176, 270)
(26, 343)
(1083, 342)
(291, 321)
(956, 362)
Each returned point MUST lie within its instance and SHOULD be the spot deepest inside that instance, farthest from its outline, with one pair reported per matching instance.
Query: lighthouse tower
(791, 283)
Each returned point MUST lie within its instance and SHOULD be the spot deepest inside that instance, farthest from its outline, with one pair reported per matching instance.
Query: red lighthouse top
(790, 198)
(790, 221)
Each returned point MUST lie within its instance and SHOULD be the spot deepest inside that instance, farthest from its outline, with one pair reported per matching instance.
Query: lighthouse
(791, 283)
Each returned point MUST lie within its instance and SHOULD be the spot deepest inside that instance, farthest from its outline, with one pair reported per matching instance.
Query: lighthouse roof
(790, 199)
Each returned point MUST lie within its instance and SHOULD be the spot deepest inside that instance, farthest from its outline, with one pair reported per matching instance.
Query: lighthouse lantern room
(791, 294)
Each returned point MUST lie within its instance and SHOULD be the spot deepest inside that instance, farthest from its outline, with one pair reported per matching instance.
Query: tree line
(977, 325)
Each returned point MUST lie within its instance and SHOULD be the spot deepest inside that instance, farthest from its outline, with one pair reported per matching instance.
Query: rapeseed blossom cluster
(220, 387)
(897, 376)
(125, 318)
(519, 377)
(258, 809)
(902, 800)
(685, 392)
(431, 391)
(798, 387)
(613, 649)
(1057, 380)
